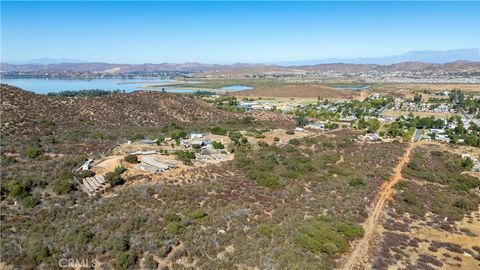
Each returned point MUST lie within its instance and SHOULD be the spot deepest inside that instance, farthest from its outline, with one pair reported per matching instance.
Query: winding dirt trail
(359, 257)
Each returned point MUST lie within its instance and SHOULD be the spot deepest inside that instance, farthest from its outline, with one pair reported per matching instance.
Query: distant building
(200, 143)
(153, 165)
(138, 152)
(196, 136)
(86, 165)
(317, 125)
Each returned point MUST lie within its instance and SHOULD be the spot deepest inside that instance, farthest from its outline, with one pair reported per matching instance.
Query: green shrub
(262, 144)
(160, 140)
(178, 134)
(276, 139)
(40, 254)
(467, 163)
(173, 227)
(114, 178)
(171, 217)
(131, 159)
(331, 125)
(217, 145)
(294, 142)
(125, 259)
(32, 152)
(84, 174)
(198, 214)
(401, 185)
(185, 154)
(269, 181)
(355, 182)
(346, 143)
(267, 230)
(410, 199)
(8, 159)
(119, 244)
(62, 186)
(219, 131)
(17, 189)
(351, 230)
(464, 204)
(290, 132)
(30, 201)
(119, 169)
(319, 236)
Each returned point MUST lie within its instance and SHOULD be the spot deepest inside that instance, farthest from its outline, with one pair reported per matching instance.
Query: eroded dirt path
(358, 257)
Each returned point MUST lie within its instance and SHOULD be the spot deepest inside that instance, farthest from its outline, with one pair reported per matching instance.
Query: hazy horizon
(233, 32)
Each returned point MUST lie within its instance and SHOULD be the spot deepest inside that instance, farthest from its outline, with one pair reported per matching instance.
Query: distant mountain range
(436, 57)
(454, 60)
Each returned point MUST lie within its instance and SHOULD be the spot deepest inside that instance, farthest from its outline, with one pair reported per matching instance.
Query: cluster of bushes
(453, 199)
(329, 237)
(185, 156)
(63, 184)
(219, 131)
(115, 177)
(178, 134)
(84, 93)
(237, 138)
(371, 125)
(268, 165)
(21, 190)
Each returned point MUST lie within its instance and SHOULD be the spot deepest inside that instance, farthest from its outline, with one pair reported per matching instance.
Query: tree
(301, 121)
(472, 139)
(114, 178)
(131, 158)
(467, 163)
(417, 98)
(178, 134)
(160, 140)
(217, 145)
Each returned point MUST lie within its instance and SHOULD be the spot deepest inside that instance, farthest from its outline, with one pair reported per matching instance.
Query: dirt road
(359, 257)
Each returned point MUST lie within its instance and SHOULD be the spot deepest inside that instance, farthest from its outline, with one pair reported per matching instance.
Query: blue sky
(228, 32)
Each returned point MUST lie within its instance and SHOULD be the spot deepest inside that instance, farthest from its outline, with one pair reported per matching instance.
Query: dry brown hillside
(138, 108)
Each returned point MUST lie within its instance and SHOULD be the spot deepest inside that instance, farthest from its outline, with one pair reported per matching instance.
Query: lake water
(236, 88)
(44, 86)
